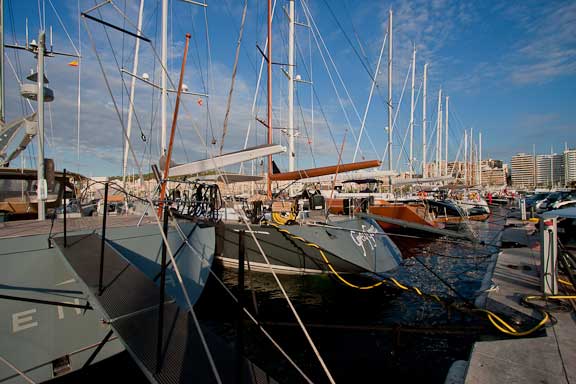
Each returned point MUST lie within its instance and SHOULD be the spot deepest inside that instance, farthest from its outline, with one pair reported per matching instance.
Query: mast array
(164, 71)
(269, 117)
(390, 92)
(437, 169)
(41, 186)
(446, 138)
(410, 161)
(291, 147)
(132, 91)
(424, 95)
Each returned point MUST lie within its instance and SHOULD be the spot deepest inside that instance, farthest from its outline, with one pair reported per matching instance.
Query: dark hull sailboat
(340, 245)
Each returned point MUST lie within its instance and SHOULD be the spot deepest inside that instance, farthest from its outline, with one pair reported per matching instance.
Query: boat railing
(18, 371)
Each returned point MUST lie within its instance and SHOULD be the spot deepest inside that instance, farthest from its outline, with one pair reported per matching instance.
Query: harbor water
(384, 332)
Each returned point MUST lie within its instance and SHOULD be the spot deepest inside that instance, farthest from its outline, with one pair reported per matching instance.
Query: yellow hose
(496, 320)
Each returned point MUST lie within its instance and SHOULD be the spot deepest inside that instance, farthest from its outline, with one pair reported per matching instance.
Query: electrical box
(549, 256)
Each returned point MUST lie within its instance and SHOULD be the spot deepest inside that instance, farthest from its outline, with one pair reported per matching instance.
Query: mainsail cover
(218, 162)
(322, 171)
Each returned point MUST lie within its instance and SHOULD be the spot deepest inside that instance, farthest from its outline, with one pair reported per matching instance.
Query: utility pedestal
(549, 256)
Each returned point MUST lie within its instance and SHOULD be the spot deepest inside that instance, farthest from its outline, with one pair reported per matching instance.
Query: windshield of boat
(18, 189)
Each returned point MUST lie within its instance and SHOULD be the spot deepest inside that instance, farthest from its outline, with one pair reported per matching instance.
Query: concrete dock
(548, 356)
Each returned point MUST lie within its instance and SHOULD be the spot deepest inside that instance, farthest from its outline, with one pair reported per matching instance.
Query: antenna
(26, 33)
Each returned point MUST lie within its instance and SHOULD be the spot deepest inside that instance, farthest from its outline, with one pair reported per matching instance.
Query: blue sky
(509, 68)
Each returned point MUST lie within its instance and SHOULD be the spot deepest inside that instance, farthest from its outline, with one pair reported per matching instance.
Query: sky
(508, 68)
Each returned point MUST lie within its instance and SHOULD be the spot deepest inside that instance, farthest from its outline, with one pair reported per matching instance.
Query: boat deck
(34, 227)
(130, 303)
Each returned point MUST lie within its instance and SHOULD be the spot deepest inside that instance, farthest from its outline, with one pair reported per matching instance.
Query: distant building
(493, 173)
(570, 166)
(523, 171)
(549, 170)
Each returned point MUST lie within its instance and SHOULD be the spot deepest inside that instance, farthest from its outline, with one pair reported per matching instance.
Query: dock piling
(103, 241)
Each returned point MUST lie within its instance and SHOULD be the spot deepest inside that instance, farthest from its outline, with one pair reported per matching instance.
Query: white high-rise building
(570, 165)
(550, 170)
(523, 171)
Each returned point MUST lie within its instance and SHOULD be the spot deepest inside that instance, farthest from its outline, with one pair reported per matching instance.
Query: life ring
(283, 212)
(283, 217)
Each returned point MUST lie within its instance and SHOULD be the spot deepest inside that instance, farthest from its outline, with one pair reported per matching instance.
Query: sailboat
(299, 237)
(53, 305)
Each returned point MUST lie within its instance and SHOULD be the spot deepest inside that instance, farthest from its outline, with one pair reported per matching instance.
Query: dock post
(65, 242)
(549, 256)
(159, 338)
(240, 324)
(103, 242)
(523, 209)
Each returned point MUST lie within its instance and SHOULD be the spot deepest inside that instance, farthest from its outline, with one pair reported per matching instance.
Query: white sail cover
(219, 162)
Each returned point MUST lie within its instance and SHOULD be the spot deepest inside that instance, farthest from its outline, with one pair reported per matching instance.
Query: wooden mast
(173, 130)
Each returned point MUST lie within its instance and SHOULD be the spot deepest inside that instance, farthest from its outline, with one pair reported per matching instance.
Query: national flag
(73, 63)
(200, 102)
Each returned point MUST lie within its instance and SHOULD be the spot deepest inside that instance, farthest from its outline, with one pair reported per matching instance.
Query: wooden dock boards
(130, 302)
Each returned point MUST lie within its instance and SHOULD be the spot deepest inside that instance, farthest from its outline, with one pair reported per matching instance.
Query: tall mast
(173, 130)
(269, 118)
(291, 148)
(480, 158)
(390, 91)
(439, 135)
(164, 70)
(412, 113)
(132, 91)
(465, 157)
(424, 87)
(446, 138)
(2, 61)
(472, 177)
(41, 187)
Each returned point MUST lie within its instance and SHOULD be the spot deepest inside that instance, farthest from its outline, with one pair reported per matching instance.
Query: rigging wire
(234, 69)
(158, 221)
(308, 140)
(149, 197)
(316, 34)
(362, 61)
(16, 57)
(209, 77)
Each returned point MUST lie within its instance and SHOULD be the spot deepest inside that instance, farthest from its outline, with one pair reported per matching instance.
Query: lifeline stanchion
(103, 242)
(65, 242)
(159, 337)
(240, 324)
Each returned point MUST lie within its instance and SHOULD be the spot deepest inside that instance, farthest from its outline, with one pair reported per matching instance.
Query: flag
(200, 101)
(73, 63)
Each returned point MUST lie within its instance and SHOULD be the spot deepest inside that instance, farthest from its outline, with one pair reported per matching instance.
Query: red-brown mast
(173, 130)
(269, 183)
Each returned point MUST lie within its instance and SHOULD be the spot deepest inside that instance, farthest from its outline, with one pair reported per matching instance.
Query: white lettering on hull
(61, 309)
(367, 235)
(23, 320)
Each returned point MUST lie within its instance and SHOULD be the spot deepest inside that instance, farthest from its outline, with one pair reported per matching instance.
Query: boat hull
(409, 213)
(350, 246)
